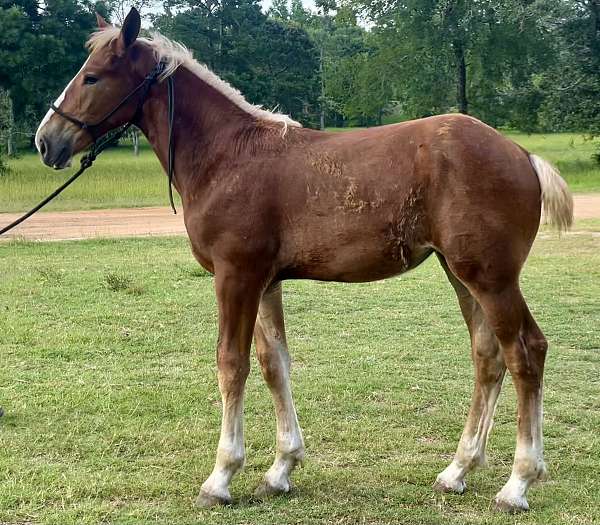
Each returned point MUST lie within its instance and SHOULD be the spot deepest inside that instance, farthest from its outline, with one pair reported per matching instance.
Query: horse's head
(115, 66)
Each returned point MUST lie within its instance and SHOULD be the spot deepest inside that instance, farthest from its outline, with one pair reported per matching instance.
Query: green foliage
(4, 167)
(41, 48)
(572, 86)
(271, 61)
(531, 65)
(118, 282)
(449, 55)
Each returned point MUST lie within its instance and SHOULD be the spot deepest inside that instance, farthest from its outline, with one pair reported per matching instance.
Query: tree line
(533, 65)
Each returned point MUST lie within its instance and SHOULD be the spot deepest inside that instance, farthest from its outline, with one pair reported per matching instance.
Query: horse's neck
(204, 120)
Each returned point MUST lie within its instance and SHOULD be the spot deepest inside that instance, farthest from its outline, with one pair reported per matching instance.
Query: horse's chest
(199, 235)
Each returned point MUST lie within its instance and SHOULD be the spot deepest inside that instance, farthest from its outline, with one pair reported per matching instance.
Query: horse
(266, 200)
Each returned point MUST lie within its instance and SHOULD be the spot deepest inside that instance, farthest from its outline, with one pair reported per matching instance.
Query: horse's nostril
(43, 148)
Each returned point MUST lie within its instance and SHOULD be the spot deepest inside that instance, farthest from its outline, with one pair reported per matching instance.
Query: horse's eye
(89, 79)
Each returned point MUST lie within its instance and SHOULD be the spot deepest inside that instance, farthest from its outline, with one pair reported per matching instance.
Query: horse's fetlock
(294, 453)
(530, 468)
(229, 459)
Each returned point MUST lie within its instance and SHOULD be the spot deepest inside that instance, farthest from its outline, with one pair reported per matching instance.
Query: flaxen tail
(557, 201)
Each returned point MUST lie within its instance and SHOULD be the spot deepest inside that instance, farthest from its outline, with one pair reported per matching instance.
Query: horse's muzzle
(55, 152)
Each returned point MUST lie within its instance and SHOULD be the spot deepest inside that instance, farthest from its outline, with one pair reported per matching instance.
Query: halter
(103, 141)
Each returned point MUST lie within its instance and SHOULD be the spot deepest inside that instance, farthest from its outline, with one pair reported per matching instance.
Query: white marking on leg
(57, 103)
(290, 444)
(230, 452)
(470, 452)
(529, 463)
(275, 363)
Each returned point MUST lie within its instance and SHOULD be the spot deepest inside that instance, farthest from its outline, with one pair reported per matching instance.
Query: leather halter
(144, 87)
(101, 142)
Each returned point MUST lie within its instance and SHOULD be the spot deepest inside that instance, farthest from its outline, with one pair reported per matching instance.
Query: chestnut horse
(266, 200)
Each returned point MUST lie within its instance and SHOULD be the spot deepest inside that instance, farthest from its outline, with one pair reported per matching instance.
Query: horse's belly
(365, 258)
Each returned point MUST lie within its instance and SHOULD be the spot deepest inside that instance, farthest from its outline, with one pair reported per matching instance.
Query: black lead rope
(103, 142)
(171, 160)
(86, 162)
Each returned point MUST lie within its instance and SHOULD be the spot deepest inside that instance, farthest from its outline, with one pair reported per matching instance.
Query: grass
(571, 153)
(119, 179)
(112, 407)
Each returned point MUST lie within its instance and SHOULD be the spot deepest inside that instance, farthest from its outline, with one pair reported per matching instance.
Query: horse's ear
(131, 28)
(102, 24)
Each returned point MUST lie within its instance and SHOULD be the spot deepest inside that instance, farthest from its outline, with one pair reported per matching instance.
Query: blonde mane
(175, 55)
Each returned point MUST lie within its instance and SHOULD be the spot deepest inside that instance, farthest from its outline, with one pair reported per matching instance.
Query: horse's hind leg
(524, 347)
(271, 348)
(495, 287)
(489, 373)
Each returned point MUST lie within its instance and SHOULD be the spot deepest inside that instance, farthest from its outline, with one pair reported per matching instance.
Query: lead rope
(106, 140)
(171, 111)
(86, 162)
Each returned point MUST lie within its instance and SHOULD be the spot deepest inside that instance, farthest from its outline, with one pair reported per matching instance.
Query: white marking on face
(57, 103)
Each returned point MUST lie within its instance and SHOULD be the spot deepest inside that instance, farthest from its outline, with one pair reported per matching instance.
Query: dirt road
(121, 222)
(131, 222)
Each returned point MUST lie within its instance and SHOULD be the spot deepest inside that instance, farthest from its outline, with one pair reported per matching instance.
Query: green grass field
(112, 409)
(119, 179)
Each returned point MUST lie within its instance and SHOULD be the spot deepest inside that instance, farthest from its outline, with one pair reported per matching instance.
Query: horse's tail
(556, 197)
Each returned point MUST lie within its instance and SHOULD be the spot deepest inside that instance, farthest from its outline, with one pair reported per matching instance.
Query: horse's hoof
(206, 500)
(449, 487)
(266, 490)
(511, 505)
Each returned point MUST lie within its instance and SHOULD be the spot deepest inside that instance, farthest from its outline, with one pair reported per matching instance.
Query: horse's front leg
(271, 348)
(238, 297)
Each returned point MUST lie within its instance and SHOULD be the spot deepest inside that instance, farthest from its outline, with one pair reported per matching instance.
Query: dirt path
(130, 222)
(125, 222)
(587, 206)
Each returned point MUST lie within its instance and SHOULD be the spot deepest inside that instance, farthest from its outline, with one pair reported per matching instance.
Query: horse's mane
(175, 54)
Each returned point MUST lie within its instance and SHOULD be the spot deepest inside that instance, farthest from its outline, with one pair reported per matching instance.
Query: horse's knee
(269, 364)
(274, 361)
(233, 367)
(537, 344)
(487, 355)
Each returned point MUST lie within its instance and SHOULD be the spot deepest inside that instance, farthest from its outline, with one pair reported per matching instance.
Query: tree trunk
(595, 32)
(322, 116)
(461, 80)
(136, 142)
(10, 147)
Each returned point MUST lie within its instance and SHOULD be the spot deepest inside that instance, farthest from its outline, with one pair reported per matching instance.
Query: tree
(355, 86)
(270, 61)
(463, 55)
(572, 86)
(40, 49)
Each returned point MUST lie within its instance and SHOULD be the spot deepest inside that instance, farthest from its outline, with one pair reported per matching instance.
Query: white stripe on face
(57, 103)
